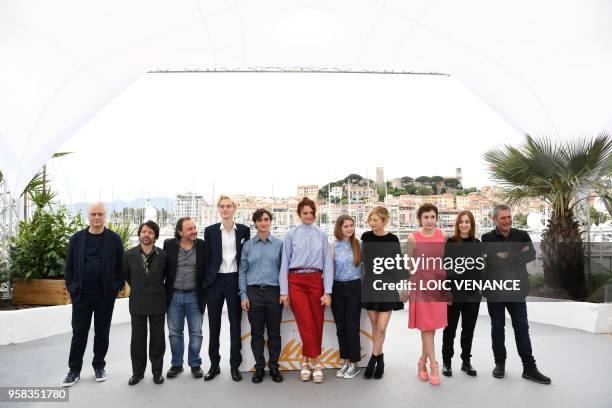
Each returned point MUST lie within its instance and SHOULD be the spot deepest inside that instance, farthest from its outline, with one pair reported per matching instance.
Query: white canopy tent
(543, 65)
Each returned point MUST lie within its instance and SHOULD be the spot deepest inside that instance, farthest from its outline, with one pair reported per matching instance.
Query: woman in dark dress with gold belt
(378, 303)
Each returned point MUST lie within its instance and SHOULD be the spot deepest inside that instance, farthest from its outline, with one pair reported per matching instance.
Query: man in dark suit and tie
(223, 243)
(185, 295)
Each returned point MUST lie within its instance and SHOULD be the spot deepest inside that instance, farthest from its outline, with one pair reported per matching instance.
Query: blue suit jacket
(213, 252)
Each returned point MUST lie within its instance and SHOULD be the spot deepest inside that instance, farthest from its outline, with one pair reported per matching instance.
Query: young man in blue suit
(223, 245)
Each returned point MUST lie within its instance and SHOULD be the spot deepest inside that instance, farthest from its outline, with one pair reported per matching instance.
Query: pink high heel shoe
(434, 379)
(423, 369)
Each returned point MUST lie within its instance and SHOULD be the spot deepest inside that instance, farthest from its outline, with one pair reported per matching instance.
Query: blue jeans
(185, 305)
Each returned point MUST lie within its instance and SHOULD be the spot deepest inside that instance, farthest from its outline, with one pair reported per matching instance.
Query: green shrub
(536, 279)
(600, 279)
(125, 231)
(39, 249)
(4, 275)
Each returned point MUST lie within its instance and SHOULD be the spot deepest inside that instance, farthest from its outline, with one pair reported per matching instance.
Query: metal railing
(9, 220)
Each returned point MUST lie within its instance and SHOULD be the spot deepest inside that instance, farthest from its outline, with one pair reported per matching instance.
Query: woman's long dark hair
(457, 236)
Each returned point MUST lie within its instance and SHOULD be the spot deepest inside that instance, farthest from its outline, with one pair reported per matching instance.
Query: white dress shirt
(228, 245)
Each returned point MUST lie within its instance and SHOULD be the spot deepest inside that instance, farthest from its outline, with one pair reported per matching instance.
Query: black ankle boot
(468, 369)
(534, 374)
(380, 367)
(369, 371)
(446, 368)
(499, 370)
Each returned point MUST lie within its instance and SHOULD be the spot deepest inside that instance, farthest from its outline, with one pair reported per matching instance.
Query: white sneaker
(340, 373)
(352, 371)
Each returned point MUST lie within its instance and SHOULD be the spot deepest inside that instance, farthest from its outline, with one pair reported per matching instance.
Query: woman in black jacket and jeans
(461, 247)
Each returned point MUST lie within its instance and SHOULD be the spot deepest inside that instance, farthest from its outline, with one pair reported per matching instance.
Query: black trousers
(520, 324)
(224, 288)
(346, 308)
(469, 314)
(157, 343)
(82, 311)
(265, 313)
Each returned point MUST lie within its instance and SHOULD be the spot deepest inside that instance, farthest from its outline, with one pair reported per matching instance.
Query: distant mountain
(166, 203)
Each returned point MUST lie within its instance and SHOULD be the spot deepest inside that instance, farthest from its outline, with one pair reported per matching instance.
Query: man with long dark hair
(145, 272)
(184, 296)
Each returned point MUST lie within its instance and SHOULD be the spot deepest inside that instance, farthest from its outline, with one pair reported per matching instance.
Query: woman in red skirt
(306, 280)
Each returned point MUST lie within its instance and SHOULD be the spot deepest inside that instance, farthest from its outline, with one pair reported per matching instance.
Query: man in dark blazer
(145, 272)
(224, 242)
(93, 274)
(185, 296)
(508, 251)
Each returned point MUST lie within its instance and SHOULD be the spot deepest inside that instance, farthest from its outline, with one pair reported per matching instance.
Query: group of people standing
(304, 272)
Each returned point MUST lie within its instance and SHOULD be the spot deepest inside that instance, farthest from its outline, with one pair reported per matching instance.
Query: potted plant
(38, 252)
(556, 173)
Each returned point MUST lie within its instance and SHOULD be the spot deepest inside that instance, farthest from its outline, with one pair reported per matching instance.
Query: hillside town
(356, 196)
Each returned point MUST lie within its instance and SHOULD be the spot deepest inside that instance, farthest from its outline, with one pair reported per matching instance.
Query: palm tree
(37, 189)
(604, 190)
(556, 173)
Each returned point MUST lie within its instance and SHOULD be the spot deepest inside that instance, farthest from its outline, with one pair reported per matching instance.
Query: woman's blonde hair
(381, 211)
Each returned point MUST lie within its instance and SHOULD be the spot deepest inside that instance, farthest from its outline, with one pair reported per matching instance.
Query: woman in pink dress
(428, 304)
